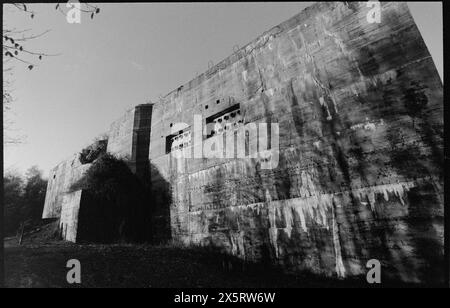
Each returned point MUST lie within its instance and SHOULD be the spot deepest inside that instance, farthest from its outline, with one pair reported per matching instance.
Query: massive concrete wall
(120, 135)
(70, 209)
(60, 201)
(59, 183)
(360, 112)
(129, 138)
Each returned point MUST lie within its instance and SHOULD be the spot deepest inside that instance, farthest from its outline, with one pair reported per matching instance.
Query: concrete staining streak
(323, 104)
(316, 79)
(370, 193)
(352, 156)
(340, 269)
(237, 244)
(317, 209)
(312, 209)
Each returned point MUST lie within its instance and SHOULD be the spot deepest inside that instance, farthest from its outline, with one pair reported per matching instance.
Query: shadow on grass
(163, 266)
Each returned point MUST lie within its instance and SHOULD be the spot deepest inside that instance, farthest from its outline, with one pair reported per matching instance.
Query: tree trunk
(21, 233)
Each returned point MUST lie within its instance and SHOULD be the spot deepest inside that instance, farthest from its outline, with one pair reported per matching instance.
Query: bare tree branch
(14, 40)
(15, 51)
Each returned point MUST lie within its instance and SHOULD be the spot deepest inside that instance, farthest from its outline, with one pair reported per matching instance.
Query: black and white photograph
(223, 152)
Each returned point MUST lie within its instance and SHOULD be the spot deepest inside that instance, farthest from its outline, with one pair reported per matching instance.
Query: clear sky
(127, 55)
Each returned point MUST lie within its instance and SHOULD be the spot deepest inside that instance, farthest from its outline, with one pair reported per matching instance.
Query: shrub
(114, 203)
(93, 151)
(23, 199)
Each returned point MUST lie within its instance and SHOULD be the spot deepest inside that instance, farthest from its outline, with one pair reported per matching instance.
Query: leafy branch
(14, 41)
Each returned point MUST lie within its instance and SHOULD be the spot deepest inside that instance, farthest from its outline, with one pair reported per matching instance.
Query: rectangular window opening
(179, 140)
(229, 119)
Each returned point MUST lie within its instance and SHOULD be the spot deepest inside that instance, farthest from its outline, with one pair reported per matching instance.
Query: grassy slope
(41, 262)
(129, 266)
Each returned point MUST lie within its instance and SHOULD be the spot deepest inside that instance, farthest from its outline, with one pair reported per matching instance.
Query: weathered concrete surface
(129, 138)
(61, 178)
(60, 201)
(120, 136)
(70, 208)
(360, 114)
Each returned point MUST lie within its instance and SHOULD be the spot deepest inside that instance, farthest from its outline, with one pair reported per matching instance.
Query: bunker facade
(60, 200)
(356, 155)
(127, 138)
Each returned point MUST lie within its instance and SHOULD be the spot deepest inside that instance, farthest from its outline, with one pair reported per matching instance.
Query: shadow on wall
(407, 237)
(117, 205)
(383, 166)
(160, 201)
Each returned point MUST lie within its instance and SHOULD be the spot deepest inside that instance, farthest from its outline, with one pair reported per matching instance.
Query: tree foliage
(93, 151)
(34, 194)
(23, 199)
(13, 201)
(118, 203)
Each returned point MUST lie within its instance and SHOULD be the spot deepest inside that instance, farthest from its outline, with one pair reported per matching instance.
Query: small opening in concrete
(206, 107)
(178, 140)
(227, 117)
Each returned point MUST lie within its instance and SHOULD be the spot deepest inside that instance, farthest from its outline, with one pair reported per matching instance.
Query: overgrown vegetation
(115, 205)
(93, 151)
(24, 199)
